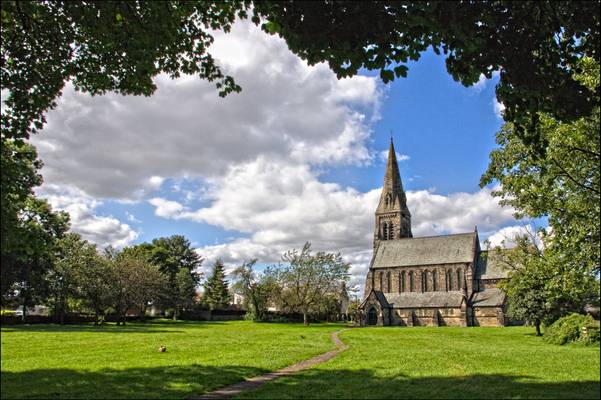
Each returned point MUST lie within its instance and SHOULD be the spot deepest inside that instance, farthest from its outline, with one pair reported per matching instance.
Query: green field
(446, 363)
(84, 361)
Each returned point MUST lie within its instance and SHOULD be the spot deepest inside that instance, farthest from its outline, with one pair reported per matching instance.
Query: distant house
(35, 310)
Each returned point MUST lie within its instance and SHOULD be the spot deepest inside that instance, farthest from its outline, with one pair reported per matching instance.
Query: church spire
(393, 219)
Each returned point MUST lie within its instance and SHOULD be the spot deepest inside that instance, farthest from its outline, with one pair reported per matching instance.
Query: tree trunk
(305, 318)
(537, 326)
(142, 313)
(175, 313)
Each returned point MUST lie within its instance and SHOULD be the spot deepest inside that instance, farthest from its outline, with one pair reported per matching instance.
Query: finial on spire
(391, 136)
(475, 228)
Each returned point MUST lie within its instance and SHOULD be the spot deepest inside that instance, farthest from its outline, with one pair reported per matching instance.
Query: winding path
(252, 383)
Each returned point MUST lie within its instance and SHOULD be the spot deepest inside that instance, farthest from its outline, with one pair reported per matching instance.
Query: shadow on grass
(180, 382)
(169, 382)
(363, 384)
(153, 326)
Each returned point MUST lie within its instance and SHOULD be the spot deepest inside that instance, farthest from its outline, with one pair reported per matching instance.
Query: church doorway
(372, 317)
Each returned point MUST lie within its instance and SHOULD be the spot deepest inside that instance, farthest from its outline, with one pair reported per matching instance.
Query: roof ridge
(432, 236)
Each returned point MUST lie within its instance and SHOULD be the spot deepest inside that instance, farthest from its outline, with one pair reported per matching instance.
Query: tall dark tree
(26, 265)
(73, 257)
(216, 293)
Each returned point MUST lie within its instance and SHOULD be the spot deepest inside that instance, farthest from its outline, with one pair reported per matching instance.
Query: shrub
(574, 328)
(8, 313)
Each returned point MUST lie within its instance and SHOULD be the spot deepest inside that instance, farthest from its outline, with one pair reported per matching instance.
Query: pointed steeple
(393, 219)
(392, 178)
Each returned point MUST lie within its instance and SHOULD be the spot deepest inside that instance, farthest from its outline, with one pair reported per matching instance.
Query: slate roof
(427, 299)
(489, 266)
(379, 296)
(488, 298)
(458, 248)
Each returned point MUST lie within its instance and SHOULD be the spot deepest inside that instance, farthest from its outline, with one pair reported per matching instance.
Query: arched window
(381, 281)
(424, 281)
(402, 281)
(435, 280)
(388, 283)
(459, 280)
(450, 280)
(391, 231)
(385, 231)
(411, 283)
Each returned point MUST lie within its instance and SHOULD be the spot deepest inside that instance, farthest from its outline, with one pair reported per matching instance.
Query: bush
(8, 313)
(574, 328)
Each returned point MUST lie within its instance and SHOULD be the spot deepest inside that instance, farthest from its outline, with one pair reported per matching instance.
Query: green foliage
(257, 292)
(541, 287)
(102, 46)
(216, 293)
(178, 262)
(73, 256)
(307, 281)
(535, 46)
(134, 284)
(570, 329)
(563, 184)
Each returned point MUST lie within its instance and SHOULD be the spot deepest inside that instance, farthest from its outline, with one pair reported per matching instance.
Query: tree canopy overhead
(533, 44)
(121, 45)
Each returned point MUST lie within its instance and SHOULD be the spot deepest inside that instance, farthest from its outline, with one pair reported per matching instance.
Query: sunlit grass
(84, 361)
(445, 363)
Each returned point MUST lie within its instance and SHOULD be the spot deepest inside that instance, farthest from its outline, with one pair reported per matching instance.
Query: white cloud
(123, 147)
(101, 230)
(399, 157)
(132, 218)
(280, 205)
(480, 85)
(498, 108)
(166, 208)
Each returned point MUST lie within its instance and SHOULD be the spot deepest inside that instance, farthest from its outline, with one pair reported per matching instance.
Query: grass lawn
(83, 361)
(445, 363)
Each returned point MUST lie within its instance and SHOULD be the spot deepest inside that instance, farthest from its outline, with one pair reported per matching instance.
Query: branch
(574, 180)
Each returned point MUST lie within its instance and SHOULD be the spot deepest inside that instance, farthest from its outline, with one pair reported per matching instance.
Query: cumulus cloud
(399, 157)
(279, 206)
(122, 147)
(480, 85)
(101, 230)
(498, 108)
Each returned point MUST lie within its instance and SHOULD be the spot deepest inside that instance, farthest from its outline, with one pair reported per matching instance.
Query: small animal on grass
(162, 349)
(302, 336)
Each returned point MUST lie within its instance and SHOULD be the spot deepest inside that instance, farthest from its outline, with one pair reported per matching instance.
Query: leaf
(386, 75)
(401, 71)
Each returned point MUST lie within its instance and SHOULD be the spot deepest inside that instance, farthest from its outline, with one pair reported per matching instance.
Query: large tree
(563, 184)
(307, 280)
(73, 257)
(26, 264)
(543, 283)
(135, 283)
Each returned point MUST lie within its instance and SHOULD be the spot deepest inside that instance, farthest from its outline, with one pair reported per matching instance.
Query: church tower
(393, 219)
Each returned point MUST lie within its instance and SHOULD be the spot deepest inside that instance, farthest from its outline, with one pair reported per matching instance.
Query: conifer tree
(216, 291)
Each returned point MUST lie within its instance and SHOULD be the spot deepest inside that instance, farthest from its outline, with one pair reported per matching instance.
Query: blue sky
(297, 156)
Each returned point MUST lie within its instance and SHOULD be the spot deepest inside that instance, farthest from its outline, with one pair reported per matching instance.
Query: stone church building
(435, 280)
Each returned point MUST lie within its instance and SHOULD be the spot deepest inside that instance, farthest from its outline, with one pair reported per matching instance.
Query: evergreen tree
(216, 290)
